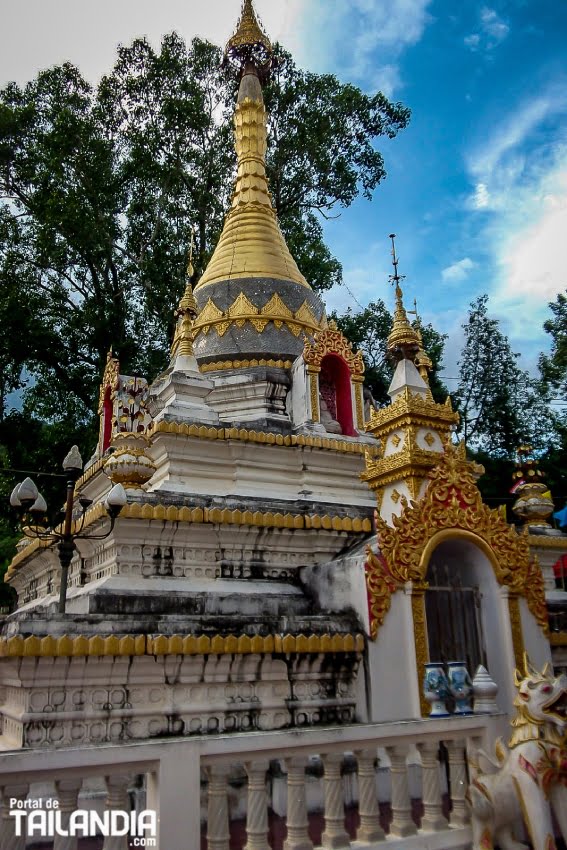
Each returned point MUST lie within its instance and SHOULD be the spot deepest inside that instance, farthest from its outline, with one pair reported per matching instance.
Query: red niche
(335, 387)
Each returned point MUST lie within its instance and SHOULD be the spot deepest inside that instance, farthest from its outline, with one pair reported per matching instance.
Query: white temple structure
(285, 567)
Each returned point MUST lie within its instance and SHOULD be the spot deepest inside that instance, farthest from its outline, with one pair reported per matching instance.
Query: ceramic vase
(436, 689)
(460, 686)
(484, 691)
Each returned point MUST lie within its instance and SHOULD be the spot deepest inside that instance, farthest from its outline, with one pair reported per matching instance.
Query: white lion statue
(531, 776)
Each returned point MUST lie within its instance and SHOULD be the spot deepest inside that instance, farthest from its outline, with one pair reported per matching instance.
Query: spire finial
(403, 340)
(186, 312)
(190, 267)
(249, 44)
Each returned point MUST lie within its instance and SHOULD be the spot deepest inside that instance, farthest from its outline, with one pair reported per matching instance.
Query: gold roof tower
(254, 303)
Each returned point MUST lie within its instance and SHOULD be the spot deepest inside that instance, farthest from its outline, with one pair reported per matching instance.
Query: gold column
(420, 637)
(313, 373)
(516, 626)
(358, 400)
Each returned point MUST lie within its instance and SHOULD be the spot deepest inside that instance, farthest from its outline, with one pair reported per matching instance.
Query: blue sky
(477, 185)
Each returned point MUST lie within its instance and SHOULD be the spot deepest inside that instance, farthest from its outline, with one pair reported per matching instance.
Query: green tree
(368, 331)
(500, 405)
(99, 190)
(553, 369)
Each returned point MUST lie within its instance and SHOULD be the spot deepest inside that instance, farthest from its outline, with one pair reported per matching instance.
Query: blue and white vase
(436, 689)
(460, 686)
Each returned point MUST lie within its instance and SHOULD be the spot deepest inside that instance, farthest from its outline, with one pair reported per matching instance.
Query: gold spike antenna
(185, 314)
(249, 44)
(403, 341)
(422, 359)
(251, 244)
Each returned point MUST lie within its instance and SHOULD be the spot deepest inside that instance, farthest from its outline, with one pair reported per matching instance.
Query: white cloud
(519, 175)
(534, 258)
(492, 30)
(458, 271)
(350, 34)
(481, 198)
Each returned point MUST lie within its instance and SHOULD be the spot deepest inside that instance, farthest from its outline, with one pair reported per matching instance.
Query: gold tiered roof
(403, 340)
(251, 244)
(248, 33)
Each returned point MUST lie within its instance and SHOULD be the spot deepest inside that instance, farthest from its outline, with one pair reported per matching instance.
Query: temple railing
(192, 785)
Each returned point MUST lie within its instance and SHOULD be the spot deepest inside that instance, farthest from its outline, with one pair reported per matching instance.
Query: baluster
(458, 779)
(257, 814)
(297, 824)
(335, 834)
(117, 800)
(218, 830)
(369, 813)
(433, 818)
(67, 794)
(8, 838)
(402, 823)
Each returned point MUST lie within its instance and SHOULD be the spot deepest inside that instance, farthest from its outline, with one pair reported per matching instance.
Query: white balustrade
(433, 818)
(173, 771)
(218, 827)
(335, 834)
(402, 824)
(297, 822)
(14, 791)
(67, 794)
(117, 801)
(459, 785)
(257, 815)
(369, 830)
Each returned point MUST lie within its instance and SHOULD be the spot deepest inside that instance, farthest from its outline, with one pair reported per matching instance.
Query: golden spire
(403, 341)
(251, 244)
(185, 314)
(422, 359)
(249, 42)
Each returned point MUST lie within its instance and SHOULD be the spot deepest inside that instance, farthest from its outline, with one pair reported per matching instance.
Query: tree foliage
(368, 331)
(99, 189)
(500, 405)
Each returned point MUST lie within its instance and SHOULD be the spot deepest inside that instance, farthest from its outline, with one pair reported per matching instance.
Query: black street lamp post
(27, 500)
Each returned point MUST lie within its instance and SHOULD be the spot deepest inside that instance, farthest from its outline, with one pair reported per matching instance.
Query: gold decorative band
(244, 364)
(52, 647)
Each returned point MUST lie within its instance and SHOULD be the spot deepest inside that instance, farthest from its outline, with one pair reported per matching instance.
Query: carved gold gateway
(332, 341)
(453, 502)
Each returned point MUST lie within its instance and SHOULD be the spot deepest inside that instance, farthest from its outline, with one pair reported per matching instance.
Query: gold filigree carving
(396, 440)
(396, 496)
(314, 396)
(429, 439)
(110, 379)
(420, 641)
(412, 409)
(245, 364)
(380, 587)
(276, 309)
(248, 31)
(242, 310)
(359, 405)
(332, 341)
(516, 628)
(452, 502)
(209, 315)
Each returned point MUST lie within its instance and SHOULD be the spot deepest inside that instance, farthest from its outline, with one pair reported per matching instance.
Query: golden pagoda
(413, 430)
(252, 283)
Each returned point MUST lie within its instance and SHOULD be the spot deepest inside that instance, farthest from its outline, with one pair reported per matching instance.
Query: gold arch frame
(451, 508)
